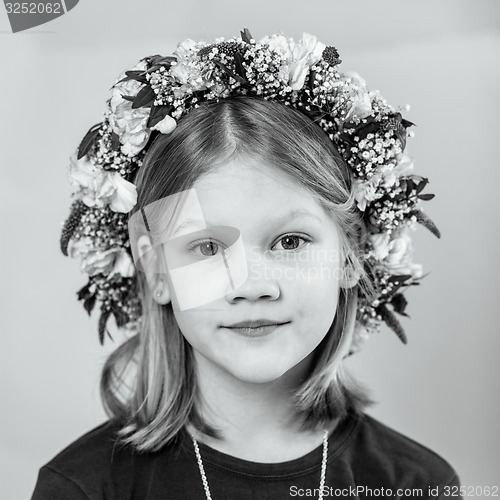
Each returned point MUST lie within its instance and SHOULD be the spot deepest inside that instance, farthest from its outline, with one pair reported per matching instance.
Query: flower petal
(82, 172)
(124, 197)
(380, 243)
(166, 125)
(123, 265)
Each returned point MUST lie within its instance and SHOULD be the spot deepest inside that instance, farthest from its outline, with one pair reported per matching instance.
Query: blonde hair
(149, 382)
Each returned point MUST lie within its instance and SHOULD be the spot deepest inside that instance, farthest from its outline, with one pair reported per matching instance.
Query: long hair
(149, 381)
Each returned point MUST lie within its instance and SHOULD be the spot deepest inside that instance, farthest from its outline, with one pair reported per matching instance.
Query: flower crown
(150, 98)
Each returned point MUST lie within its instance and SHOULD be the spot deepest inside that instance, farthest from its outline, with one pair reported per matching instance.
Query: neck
(257, 421)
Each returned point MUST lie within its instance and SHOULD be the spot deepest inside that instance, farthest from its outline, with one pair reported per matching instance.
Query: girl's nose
(261, 283)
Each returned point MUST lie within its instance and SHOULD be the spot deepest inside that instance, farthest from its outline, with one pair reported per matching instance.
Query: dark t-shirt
(366, 459)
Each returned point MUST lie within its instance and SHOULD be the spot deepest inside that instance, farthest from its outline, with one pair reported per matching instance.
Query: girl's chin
(261, 366)
(262, 376)
(264, 371)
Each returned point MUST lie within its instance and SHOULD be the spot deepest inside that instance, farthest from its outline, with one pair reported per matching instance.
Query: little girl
(244, 213)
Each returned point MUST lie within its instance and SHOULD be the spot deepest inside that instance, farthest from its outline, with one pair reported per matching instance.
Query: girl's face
(291, 253)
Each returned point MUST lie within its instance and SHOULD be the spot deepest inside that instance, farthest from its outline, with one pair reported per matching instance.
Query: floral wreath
(149, 100)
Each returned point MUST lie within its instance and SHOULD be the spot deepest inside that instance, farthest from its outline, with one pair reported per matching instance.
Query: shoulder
(86, 467)
(94, 449)
(389, 454)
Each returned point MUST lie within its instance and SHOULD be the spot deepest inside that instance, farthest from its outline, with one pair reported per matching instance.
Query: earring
(350, 277)
(160, 289)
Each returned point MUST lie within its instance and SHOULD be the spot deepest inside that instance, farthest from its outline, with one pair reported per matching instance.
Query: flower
(366, 191)
(122, 194)
(186, 70)
(189, 77)
(280, 44)
(361, 104)
(391, 174)
(98, 261)
(380, 245)
(298, 57)
(185, 50)
(129, 123)
(100, 187)
(77, 249)
(166, 125)
(306, 53)
(82, 172)
(396, 253)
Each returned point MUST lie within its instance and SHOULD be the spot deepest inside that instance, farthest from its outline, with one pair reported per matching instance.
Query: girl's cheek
(318, 275)
(313, 268)
(318, 269)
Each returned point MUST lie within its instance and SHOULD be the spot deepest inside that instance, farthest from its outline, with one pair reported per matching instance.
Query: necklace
(205, 481)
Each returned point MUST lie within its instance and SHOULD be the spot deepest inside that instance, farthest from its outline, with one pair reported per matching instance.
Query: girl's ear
(154, 270)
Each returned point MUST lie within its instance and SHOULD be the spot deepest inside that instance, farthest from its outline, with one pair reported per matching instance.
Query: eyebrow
(189, 222)
(197, 223)
(302, 212)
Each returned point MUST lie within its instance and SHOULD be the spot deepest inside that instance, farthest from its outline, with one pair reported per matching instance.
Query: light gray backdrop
(440, 57)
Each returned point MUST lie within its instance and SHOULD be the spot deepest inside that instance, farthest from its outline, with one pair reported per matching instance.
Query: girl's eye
(207, 248)
(291, 241)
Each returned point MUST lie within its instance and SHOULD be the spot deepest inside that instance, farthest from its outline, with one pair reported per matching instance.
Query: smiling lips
(256, 328)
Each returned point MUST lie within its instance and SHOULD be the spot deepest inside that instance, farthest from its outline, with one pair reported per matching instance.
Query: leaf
(310, 81)
(399, 303)
(407, 123)
(121, 320)
(145, 96)
(395, 289)
(121, 317)
(401, 278)
(238, 61)
(426, 221)
(370, 127)
(224, 68)
(84, 292)
(136, 75)
(392, 322)
(89, 303)
(103, 319)
(157, 61)
(422, 184)
(152, 60)
(246, 36)
(130, 98)
(427, 196)
(115, 141)
(88, 140)
(157, 114)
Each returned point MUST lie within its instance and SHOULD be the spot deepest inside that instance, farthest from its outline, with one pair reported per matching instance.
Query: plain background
(439, 56)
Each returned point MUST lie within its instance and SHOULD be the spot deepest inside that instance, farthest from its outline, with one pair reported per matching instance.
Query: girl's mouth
(257, 331)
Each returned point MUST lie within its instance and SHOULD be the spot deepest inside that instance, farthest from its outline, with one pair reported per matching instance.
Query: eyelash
(302, 237)
(217, 242)
(197, 243)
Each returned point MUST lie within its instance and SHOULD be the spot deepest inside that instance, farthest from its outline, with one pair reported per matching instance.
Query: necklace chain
(205, 481)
